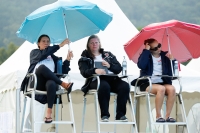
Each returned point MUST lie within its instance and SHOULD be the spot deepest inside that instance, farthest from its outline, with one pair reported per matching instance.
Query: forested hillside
(140, 12)
(144, 12)
(12, 14)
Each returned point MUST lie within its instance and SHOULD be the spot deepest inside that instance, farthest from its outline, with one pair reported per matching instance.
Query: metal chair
(98, 121)
(32, 90)
(138, 94)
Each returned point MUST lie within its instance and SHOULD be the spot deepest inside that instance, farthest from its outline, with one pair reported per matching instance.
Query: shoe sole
(69, 89)
(122, 120)
(105, 120)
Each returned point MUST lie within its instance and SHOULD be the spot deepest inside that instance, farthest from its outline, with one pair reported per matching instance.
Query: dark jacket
(86, 66)
(38, 55)
(145, 63)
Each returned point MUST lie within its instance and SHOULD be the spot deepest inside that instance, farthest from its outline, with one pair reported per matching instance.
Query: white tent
(190, 79)
(194, 64)
(118, 32)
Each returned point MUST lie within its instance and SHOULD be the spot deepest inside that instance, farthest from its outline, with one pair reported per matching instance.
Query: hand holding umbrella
(69, 55)
(170, 56)
(66, 41)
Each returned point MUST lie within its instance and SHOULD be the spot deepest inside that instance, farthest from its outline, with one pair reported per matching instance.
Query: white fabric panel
(194, 64)
(39, 115)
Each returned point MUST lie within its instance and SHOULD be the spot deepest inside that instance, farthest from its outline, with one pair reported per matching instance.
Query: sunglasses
(156, 48)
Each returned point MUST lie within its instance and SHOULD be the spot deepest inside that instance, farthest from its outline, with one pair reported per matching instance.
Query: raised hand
(170, 56)
(147, 46)
(66, 41)
(69, 55)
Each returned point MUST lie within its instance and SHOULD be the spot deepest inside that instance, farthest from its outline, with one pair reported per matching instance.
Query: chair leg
(83, 116)
(115, 108)
(57, 102)
(22, 123)
(149, 112)
(134, 126)
(186, 128)
(135, 105)
(97, 112)
(71, 114)
(135, 110)
(33, 111)
(164, 114)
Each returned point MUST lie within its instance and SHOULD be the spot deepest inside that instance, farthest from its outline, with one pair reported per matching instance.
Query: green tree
(3, 55)
(6, 52)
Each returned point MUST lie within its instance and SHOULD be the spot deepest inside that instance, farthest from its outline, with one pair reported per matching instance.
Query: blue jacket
(145, 63)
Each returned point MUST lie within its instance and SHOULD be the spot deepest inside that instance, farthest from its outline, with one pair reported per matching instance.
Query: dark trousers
(115, 85)
(47, 81)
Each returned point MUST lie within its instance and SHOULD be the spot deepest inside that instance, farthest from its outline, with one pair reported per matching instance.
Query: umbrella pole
(64, 16)
(169, 51)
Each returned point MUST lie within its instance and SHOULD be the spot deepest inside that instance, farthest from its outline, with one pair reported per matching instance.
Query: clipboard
(98, 64)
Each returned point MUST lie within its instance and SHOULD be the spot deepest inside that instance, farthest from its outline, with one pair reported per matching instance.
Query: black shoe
(105, 119)
(47, 120)
(160, 119)
(170, 119)
(69, 89)
(123, 119)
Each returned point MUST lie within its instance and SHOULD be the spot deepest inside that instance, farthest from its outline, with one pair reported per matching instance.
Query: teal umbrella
(73, 19)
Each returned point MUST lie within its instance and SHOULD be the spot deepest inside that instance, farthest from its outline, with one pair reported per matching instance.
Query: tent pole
(17, 117)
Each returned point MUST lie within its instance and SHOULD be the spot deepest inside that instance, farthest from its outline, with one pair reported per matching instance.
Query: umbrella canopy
(73, 19)
(181, 39)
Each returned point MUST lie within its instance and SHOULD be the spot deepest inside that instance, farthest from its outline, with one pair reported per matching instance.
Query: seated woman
(154, 61)
(95, 53)
(43, 64)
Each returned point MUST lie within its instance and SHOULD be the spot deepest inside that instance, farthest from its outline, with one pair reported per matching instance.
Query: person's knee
(104, 87)
(171, 90)
(161, 90)
(41, 67)
(125, 88)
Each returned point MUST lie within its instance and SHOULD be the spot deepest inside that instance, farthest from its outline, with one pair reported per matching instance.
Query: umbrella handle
(172, 67)
(169, 51)
(69, 47)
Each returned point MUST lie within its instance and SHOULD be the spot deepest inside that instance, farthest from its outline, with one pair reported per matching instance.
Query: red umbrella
(181, 39)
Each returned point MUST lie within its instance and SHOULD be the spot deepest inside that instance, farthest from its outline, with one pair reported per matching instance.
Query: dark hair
(87, 47)
(149, 41)
(39, 39)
